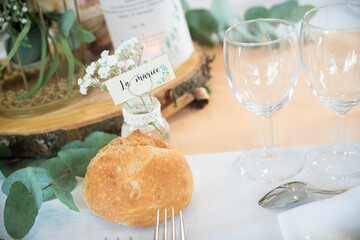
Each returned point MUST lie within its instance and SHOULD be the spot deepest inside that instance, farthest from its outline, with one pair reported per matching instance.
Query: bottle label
(161, 23)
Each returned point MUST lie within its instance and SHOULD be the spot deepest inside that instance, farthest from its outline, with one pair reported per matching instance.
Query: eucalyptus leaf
(223, 13)
(64, 196)
(20, 211)
(297, 13)
(202, 25)
(77, 159)
(256, 12)
(35, 188)
(19, 39)
(66, 22)
(73, 144)
(281, 10)
(57, 168)
(99, 139)
(80, 35)
(8, 167)
(42, 176)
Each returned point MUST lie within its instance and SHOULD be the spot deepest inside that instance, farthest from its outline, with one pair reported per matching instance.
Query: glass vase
(144, 113)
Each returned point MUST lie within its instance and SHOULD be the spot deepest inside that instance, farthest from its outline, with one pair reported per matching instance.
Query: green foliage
(30, 183)
(31, 45)
(19, 39)
(256, 12)
(64, 196)
(77, 159)
(42, 68)
(204, 23)
(98, 139)
(66, 22)
(297, 13)
(281, 10)
(20, 211)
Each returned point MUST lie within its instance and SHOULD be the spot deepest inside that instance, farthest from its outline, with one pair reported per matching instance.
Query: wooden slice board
(43, 135)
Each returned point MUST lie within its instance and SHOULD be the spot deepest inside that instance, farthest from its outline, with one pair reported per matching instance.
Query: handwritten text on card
(140, 80)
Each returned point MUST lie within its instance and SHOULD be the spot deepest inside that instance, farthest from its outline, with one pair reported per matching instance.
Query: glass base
(280, 166)
(337, 166)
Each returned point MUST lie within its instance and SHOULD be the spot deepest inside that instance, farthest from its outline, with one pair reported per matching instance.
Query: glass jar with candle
(144, 113)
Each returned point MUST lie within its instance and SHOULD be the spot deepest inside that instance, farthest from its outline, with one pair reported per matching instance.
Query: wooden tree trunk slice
(43, 135)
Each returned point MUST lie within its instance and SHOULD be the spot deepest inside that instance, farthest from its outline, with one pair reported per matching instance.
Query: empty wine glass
(262, 64)
(330, 55)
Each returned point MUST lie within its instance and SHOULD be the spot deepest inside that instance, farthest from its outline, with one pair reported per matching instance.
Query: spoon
(292, 192)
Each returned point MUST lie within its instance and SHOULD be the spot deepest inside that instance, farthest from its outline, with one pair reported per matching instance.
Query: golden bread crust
(130, 178)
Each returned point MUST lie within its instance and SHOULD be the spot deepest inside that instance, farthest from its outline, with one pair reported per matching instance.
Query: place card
(140, 80)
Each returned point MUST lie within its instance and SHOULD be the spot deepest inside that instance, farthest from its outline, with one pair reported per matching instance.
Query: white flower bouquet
(125, 58)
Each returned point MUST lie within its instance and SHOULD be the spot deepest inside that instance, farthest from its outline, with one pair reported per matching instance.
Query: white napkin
(334, 218)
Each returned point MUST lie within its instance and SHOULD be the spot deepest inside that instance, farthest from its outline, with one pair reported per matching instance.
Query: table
(225, 125)
(223, 206)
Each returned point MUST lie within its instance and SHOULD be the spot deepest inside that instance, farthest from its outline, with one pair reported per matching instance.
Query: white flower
(104, 72)
(104, 54)
(142, 45)
(80, 81)
(24, 9)
(91, 68)
(15, 7)
(118, 51)
(134, 40)
(2, 19)
(23, 20)
(129, 43)
(130, 64)
(83, 90)
(120, 64)
(112, 60)
(144, 60)
(102, 62)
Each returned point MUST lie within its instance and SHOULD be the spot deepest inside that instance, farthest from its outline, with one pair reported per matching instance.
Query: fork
(173, 232)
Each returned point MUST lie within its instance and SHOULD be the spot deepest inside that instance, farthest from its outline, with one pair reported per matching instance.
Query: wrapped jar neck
(135, 112)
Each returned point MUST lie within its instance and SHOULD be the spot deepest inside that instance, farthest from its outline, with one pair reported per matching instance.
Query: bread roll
(130, 178)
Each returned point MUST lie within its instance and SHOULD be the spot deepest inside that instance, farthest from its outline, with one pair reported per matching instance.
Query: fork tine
(173, 223)
(182, 229)
(157, 225)
(165, 225)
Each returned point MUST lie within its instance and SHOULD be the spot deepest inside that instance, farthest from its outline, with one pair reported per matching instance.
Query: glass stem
(269, 150)
(340, 135)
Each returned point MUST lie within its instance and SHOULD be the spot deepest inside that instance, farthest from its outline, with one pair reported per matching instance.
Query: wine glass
(330, 56)
(262, 63)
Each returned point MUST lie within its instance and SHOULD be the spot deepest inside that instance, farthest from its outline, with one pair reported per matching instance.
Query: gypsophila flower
(104, 72)
(125, 58)
(144, 60)
(105, 54)
(112, 60)
(23, 20)
(130, 64)
(91, 68)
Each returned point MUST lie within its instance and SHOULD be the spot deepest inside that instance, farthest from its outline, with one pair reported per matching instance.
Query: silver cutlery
(292, 192)
(173, 231)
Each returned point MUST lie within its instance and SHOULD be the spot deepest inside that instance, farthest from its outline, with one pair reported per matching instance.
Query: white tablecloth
(224, 206)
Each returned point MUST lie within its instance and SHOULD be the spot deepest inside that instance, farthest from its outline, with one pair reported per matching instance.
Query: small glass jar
(145, 114)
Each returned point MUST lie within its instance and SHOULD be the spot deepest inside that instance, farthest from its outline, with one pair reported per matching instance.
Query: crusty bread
(130, 178)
